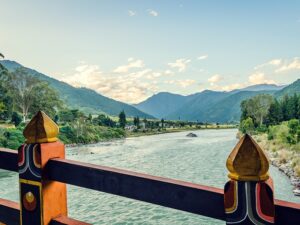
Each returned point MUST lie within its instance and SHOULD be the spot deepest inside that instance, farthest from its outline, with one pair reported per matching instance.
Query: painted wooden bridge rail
(188, 197)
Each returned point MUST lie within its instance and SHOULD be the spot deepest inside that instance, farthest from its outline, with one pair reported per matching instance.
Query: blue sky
(129, 50)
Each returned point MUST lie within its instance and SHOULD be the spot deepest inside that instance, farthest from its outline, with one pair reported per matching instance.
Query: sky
(131, 49)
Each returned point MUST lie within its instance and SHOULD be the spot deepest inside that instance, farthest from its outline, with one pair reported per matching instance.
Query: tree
(103, 120)
(298, 109)
(274, 114)
(293, 125)
(6, 106)
(138, 122)
(16, 119)
(284, 108)
(247, 125)
(292, 106)
(31, 95)
(257, 108)
(56, 118)
(122, 119)
(162, 123)
(146, 124)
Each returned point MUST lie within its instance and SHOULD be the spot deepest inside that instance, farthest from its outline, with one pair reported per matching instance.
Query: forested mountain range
(84, 99)
(210, 106)
(205, 106)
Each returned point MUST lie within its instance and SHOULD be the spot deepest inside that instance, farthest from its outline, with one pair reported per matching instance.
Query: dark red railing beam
(10, 215)
(9, 212)
(171, 193)
(189, 197)
(287, 212)
(8, 159)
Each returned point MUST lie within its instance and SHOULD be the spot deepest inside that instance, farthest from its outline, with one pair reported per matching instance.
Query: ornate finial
(247, 161)
(41, 129)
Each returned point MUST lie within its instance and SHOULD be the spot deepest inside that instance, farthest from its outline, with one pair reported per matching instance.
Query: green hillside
(291, 89)
(228, 109)
(211, 106)
(84, 99)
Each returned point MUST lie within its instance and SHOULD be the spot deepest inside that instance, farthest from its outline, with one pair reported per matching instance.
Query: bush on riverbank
(282, 143)
(13, 137)
(89, 134)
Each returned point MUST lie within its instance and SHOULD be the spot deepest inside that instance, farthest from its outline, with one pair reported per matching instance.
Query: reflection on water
(199, 160)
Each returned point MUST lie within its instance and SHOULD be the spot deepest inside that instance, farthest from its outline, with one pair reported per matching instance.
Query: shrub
(293, 125)
(11, 138)
(16, 119)
(297, 170)
(284, 156)
(247, 125)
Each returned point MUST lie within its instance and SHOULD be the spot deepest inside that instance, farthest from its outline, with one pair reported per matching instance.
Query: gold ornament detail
(247, 161)
(41, 129)
(29, 201)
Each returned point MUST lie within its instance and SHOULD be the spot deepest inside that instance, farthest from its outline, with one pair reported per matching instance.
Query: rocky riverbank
(281, 156)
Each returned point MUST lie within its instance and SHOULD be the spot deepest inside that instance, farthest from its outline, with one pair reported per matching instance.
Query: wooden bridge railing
(43, 173)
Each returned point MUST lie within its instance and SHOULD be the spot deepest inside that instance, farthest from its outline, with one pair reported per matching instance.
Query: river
(200, 160)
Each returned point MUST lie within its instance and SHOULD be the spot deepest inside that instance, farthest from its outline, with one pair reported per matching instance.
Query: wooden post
(248, 195)
(40, 199)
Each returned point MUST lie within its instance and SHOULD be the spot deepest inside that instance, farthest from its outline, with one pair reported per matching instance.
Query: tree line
(266, 110)
(278, 118)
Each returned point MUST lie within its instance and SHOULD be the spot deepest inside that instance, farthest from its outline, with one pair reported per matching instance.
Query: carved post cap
(247, 161)
(41, 129)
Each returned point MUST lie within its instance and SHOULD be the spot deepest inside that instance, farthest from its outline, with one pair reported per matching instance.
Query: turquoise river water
(200, 160)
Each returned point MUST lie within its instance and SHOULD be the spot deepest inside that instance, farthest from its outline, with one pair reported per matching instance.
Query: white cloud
(228, 87)
(293, 64)
(131, 13)
(130, 88)
(169, 72)
(234, 86)
(214, 79)
(131, 64)
(152, 12)
(259, 78)
(273, 62)
(180, 64)
(182, 83)
(202, 57)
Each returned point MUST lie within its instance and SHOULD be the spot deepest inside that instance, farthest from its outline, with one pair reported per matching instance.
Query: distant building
(130, 127)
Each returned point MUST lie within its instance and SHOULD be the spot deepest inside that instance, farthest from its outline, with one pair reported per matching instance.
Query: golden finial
(41, 129)
(247, 161)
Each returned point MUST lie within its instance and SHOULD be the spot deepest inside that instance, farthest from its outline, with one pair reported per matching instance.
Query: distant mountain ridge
(164, 102)
(85, 99)
(205, 106)
(212, 106)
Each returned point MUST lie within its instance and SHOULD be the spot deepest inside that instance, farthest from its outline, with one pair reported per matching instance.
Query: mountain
(291, 89)
(209, 106)
(263, 87)
(228, 109)
(196, 104)
(162, 104)
(84, 99)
